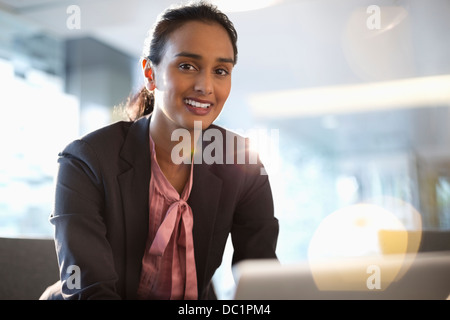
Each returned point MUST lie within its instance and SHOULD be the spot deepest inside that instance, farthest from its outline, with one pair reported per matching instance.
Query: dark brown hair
(141, 103)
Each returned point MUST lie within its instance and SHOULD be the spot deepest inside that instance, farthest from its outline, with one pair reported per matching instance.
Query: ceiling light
(405, 93)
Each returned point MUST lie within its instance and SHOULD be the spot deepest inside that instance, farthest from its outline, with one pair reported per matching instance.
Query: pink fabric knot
(167, 227)
(179, 214)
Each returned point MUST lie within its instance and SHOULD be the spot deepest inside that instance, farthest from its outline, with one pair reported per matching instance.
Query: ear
(148, 74)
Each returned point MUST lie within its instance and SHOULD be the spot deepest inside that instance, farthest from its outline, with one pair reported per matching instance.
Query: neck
(161, 133)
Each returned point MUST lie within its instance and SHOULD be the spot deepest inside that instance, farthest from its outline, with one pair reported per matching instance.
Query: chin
(205, 122)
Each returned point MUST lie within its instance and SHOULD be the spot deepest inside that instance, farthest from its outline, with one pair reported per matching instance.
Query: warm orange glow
(368, 246)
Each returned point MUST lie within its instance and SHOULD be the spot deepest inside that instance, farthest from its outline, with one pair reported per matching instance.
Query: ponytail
(139, 104)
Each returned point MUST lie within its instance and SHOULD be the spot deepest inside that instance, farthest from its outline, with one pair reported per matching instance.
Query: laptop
(420, 276)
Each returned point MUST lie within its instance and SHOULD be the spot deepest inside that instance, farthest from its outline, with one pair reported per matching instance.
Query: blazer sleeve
(254, 231)
(84, 253)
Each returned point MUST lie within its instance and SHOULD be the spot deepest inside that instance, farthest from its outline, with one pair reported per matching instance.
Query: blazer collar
(134, 187)
(135, 150)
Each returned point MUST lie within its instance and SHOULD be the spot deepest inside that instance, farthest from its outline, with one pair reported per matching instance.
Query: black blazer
(101, 213)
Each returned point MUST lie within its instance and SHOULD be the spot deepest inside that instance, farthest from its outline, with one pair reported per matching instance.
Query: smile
(197, 104)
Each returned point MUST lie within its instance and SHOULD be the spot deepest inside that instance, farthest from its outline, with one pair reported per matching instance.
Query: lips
(197, 106)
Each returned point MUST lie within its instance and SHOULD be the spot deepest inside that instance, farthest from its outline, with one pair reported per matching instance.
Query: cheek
(168, 79)
(181, 86)
(223, 90)
(172, 88)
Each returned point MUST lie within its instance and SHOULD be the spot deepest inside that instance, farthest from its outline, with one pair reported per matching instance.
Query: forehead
(206, 39)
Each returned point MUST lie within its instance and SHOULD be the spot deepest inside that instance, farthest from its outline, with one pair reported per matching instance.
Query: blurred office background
(353, 96)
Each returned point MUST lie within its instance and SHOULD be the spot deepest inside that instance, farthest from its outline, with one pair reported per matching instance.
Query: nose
(204, 83)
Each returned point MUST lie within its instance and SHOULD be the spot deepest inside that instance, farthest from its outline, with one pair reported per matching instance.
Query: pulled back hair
(142, 102)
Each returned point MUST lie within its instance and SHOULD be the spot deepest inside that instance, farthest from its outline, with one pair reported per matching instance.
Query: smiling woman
(135, 224)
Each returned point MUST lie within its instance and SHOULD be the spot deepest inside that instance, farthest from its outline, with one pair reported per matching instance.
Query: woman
(135, 223)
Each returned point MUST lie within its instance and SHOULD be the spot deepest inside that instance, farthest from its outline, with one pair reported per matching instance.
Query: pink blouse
(168, 265)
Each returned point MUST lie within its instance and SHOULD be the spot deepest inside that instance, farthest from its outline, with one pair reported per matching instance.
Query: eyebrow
(199, 57)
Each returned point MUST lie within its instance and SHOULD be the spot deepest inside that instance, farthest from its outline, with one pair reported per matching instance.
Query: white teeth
(197, 104)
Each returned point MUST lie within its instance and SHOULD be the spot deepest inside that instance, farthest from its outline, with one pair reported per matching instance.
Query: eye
(222, 72)
(187, 67)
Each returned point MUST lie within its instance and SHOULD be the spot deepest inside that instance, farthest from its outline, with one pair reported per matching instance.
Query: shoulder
(240, 169)
(231, 142)
(108, 141)
(225, 132)
(236, 147)
(108, 135)
(230, 153)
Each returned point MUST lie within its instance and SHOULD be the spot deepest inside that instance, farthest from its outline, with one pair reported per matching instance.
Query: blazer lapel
(134, 188)
(204, 201)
